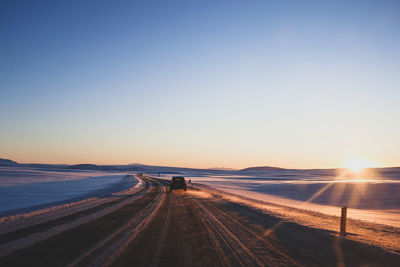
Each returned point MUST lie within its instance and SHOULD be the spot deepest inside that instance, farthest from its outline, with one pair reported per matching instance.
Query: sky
(295, 84)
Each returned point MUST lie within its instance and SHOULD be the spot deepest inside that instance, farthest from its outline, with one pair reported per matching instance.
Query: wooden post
(343, 221)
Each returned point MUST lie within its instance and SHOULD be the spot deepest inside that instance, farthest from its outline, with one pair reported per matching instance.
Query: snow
(370, 197)
(27, 189)
(11, 176)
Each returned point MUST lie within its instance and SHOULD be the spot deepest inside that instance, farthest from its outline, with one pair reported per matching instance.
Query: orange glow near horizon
(353, 166)
(356, 165)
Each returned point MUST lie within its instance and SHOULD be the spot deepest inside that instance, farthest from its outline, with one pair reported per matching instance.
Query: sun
(356, 165)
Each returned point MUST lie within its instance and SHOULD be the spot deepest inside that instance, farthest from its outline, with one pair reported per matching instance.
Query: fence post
(343, 219)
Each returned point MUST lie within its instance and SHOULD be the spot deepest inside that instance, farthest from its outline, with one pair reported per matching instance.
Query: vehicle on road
(177, 182)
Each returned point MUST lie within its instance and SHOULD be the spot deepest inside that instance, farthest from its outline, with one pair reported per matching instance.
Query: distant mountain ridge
(7, 162)
(138, 167)
(263, 168)
(91, 167)
(134, 167)
(221, 169)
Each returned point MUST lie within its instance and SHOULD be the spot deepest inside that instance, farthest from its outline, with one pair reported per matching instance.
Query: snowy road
(194, 228)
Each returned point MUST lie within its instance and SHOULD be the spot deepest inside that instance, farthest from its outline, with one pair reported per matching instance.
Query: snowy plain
(370, 196)
(25, 189)
(308, 197)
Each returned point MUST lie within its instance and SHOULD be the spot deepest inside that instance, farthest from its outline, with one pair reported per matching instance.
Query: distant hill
(263, 168)
(7, 162)
(221, 169)
(91, 167)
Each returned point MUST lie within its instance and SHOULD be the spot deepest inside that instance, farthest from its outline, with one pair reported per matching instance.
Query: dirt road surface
(156, 227)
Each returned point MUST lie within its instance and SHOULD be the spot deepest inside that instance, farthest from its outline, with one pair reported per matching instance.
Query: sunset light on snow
(200, 133)
(356, 165)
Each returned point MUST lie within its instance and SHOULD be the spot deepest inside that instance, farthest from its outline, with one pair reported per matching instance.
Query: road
(155, 227)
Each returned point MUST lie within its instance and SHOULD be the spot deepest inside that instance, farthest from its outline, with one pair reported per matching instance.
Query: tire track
(55, 229)
(61, 249)
(226, 242)
(175, 237)
(263, 244)
(107, 250)
(79, 212)
(163, 235)
(237, 243)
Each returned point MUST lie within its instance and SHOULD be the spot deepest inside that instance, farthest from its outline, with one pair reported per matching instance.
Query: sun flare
(357, 165)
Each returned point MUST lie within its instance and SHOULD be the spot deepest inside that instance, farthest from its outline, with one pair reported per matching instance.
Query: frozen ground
(27, 189)
(370, 196)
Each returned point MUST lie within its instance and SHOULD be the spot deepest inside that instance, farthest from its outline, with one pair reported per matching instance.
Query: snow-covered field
(373, 197)
(27, 189)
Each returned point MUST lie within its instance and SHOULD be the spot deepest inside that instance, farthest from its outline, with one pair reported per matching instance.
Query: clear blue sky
(298, 84)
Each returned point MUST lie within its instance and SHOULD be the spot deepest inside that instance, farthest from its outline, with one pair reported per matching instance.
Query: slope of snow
(26, 189)
(371, 197)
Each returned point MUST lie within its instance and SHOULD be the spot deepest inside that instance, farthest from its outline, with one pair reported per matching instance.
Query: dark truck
(177, 182)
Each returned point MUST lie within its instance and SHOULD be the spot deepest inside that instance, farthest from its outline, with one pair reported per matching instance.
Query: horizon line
(205, 168)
